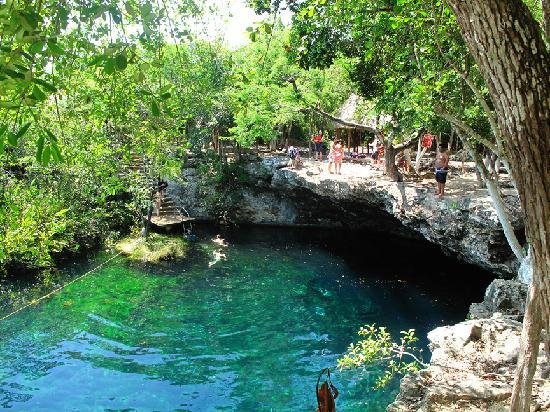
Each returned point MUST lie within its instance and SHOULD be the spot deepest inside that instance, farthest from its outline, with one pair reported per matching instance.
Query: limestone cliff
(464, 224)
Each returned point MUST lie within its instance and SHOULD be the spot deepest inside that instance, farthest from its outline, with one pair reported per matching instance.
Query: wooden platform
(169, 220)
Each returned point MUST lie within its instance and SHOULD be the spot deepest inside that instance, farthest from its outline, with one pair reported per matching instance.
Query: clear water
(248, 333)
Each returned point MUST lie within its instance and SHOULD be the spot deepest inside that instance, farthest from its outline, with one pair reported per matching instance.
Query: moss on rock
(154, 249)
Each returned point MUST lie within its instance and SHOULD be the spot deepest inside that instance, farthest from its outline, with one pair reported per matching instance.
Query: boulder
(471, 370)
(503, 296)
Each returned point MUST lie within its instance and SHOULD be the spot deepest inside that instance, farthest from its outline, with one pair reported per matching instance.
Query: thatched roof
(348, 117)
(348, 110)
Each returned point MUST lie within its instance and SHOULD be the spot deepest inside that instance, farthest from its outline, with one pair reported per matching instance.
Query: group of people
(335, 152)
(403, 158)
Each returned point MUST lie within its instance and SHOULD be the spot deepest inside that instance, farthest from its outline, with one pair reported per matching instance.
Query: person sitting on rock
(294, 154)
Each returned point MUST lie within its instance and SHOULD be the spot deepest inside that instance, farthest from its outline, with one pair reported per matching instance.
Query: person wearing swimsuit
(338, 156)
(441, 169)
(331, 156)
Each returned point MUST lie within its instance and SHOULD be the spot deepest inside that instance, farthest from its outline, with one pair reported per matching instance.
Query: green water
(246, 333)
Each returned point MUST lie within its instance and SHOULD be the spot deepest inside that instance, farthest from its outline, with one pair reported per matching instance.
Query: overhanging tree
(509, 49)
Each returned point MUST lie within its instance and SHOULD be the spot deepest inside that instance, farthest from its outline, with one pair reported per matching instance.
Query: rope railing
(53, 292)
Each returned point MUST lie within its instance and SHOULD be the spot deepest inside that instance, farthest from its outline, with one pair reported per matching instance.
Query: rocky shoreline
(472, 369)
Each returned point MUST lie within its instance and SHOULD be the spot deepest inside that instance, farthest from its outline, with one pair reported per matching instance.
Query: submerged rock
(471, 370)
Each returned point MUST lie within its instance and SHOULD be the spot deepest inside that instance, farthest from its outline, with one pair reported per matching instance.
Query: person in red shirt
(318, 142)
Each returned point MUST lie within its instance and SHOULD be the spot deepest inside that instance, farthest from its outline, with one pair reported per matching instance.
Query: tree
(507, 45)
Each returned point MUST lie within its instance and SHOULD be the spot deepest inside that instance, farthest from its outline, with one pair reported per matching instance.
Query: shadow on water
(415, 262)
(244, 327)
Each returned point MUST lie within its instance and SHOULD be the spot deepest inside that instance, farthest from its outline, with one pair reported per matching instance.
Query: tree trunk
(506, 42)
(496, 198)
(389, 158)
(546, 19)
(420, 151)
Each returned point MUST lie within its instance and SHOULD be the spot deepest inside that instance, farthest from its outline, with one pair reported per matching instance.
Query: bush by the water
(153, 249)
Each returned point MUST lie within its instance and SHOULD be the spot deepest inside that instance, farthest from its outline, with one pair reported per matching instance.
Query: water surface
(248, 331)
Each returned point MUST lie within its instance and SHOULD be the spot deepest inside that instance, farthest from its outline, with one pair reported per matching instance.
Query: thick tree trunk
(507, 45)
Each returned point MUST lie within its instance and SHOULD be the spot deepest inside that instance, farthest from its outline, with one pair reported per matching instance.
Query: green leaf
(100, 58)
(56, 153)
(39, 149)
(165, 88)
(139, 77)
(155, 108)
(38, 94)
(46, 155)
(3, 129)
(48, 86)
(121, 61)
(21, 132)
(12, 139)
(55, 49)
(109, 66)
(165, 96)
(62, 212)
(52, 137)
(37, 47)
(9, 105)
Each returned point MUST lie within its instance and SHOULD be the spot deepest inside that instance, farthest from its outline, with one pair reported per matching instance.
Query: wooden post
(349, 140)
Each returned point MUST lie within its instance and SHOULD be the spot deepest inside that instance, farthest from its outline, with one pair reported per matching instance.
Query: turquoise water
(248, 331)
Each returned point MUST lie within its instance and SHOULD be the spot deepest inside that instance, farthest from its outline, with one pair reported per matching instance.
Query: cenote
(250, 332)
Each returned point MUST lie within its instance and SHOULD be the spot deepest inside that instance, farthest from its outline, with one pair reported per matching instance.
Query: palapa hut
(349, 126)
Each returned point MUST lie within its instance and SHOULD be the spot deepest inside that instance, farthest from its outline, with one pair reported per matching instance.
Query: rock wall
(471, 370)
(464, 224)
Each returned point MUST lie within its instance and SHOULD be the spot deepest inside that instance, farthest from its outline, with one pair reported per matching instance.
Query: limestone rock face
(472, 369)
(504, 296)
(464, 224)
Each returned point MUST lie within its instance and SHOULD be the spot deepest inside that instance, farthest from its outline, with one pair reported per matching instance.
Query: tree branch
(329, 116)
(460, 125)
(477, 92)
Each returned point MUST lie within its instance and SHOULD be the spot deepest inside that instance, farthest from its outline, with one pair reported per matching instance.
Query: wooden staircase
(168, 215)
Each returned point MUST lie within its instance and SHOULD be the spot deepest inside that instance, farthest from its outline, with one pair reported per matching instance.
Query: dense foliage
(98, 98)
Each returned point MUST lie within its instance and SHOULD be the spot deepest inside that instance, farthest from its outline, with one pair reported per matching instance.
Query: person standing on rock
(318, 142)
(441, 170)
(330, 156)
(338, 156)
